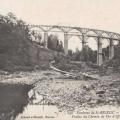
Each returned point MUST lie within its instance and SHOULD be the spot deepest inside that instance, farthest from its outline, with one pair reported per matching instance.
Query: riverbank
(62, 91)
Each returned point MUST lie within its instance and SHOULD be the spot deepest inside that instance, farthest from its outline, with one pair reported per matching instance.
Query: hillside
(17, 51)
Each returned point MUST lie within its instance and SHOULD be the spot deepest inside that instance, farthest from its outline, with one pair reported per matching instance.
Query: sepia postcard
(59, 60)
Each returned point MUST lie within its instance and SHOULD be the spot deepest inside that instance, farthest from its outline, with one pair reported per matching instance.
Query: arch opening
(74, 48)
(91, 45)
(74, 44)
(37, 35)
(105, 49)
(115, 42)
(57, 32)
(56, 39)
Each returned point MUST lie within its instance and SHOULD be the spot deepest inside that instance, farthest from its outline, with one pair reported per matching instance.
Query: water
(13, 99)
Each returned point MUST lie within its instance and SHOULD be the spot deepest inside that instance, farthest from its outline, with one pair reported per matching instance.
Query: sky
(99, 14)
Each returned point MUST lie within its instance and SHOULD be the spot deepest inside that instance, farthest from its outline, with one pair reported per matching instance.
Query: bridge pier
(111, 49)
(66, 43)
(84, 39)
(84, 47)
(45, 39)
(99, 53)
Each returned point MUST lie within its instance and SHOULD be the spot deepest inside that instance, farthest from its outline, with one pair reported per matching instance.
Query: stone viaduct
(84, 34)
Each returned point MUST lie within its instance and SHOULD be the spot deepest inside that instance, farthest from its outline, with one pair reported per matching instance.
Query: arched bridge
(83, 34)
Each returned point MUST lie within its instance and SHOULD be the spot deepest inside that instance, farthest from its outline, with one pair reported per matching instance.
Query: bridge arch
(74, 32)
(37, 26)
(91, 40)
(92, 33)
(58, 33)
(56, 27)
(75, 29)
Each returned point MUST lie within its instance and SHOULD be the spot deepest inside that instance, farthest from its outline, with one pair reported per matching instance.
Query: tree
(105, 52)
(87, 54)
(14, 45)
(37, 37)
(54, 43)
(70, 52)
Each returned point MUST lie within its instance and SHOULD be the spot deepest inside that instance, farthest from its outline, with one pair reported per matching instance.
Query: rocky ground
(67, 93)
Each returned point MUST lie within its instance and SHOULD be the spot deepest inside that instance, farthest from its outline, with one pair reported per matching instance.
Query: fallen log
(84, 76)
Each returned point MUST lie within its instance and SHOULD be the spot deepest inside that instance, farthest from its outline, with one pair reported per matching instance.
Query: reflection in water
(13, 99)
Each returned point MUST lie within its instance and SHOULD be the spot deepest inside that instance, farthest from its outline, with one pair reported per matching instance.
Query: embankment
(28, 57)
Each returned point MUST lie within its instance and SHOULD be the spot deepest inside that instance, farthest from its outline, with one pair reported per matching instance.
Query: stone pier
(99, 53)
(65, 43)
(46, 39)
(111, 49)
(84, 41)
